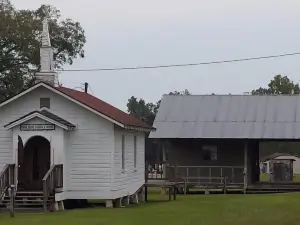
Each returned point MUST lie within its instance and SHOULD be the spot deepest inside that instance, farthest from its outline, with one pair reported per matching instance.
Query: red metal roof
(104, 108)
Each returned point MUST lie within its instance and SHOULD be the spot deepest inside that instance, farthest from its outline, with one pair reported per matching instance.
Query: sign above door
(36, 127)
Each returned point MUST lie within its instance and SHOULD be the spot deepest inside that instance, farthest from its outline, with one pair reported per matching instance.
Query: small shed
(281, 170)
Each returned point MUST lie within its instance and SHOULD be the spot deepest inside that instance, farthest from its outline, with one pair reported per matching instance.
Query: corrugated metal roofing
(228, 116)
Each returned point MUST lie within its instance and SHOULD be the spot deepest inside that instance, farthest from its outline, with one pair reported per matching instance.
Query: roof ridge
(106, 108)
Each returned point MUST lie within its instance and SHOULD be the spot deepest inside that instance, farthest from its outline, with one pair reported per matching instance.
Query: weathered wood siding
(126, 181)
(189, 152)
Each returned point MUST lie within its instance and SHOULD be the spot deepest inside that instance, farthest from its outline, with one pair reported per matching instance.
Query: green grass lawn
(276, 209)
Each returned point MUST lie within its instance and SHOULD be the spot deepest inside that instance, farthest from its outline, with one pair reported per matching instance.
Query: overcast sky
(125, 33)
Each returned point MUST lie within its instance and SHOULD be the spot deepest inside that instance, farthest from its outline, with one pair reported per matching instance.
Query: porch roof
(229, 117)
(45, 115)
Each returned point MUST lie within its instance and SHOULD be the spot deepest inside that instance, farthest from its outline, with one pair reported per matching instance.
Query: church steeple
(47, 73)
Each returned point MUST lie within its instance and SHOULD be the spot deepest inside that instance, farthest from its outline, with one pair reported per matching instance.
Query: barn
(217, 139)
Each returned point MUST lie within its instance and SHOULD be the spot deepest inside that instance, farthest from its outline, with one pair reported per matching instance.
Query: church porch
(39, 156)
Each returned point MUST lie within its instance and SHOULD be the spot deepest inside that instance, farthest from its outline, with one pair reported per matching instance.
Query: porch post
(164, 161)
(245, 165)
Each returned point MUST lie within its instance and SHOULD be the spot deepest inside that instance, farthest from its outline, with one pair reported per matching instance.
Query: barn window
(123, 152)
(210, 153)
(135, 152)
(45, 103)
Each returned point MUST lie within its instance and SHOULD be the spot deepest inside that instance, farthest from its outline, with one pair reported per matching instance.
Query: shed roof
(228, 117)
(274, 156)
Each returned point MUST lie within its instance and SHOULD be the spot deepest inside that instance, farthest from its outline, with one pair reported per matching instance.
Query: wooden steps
(27, 201)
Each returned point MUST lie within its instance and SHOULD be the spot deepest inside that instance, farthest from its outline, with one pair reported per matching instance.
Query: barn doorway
(34, 163)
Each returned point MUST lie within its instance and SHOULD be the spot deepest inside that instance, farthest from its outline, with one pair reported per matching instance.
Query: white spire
(47, 73)
(45, 35)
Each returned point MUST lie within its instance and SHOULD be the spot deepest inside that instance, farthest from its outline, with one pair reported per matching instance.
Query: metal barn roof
(228, 116)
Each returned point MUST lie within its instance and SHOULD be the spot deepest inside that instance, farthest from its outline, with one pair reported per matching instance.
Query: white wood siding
(88, 150)
(91, 155)
(127, 182)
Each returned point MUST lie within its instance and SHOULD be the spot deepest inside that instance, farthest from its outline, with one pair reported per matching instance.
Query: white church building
(68, 144)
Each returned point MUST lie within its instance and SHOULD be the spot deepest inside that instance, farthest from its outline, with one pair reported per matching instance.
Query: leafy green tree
(147, 111)
(279, 85)
(142, 110)
(20, 36)
(185, 92)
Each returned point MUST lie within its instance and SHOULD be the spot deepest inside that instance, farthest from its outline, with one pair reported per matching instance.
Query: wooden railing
(233, 174)
(7, 177)
(52, 180)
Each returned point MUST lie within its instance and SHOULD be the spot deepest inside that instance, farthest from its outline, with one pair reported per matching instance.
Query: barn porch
(214, 164)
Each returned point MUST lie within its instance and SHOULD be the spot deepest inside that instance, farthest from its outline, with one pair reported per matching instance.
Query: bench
(205, 182)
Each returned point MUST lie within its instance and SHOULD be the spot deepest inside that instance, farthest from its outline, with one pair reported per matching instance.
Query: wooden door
(21, 170)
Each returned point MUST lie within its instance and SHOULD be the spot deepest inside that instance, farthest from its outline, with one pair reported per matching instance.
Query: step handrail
(52, 180)
(7, 178)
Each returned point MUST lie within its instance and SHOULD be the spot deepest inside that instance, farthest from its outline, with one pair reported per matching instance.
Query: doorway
(34, 163)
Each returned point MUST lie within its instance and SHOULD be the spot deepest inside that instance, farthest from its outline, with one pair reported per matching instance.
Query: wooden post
(175, 170)
(187, 173)
(146, 193)
(221, 172)
(146, 172)
(146, 181)
(170, 193)
(186, 180)
(245, 165)
(174, 192)
(225, 185)
(164, 159)
(10, 181)
(175, 182)
(12, 201)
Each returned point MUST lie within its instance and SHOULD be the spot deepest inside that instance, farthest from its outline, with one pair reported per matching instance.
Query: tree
(185, 92)
(147, 111)
(142, 110)
(279, 85)
(20, 36)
